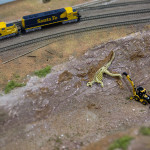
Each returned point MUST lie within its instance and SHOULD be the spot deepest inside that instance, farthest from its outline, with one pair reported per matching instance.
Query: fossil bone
(98, 77)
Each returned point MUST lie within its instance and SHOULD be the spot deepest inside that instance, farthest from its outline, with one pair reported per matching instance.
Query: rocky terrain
(61, 112)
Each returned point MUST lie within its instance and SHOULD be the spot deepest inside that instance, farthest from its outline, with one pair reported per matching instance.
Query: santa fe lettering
(47, 19)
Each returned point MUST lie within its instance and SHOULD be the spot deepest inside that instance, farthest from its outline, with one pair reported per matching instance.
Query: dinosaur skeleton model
(98, 77)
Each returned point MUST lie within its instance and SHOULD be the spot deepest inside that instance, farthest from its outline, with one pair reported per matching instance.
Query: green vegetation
(145, 130)
(58, 140)
(45, 1)
(128, 98)
(17, 76)
(11, 85)
(43, 72)
(56, 148)
(121, 143)
(142, 110)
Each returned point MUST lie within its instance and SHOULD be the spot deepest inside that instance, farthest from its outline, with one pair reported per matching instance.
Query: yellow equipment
(37, 21)
(71, 15)
(139, 93)
(7, 30)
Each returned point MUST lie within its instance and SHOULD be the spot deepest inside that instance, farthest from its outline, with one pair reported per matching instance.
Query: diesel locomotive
(37, 21)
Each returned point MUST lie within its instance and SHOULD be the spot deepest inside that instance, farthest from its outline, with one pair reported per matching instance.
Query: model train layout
(37, 21)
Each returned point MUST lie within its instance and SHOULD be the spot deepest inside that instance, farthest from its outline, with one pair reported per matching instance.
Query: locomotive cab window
(3, 28)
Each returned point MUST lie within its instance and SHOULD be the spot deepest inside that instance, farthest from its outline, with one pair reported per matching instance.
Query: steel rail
(87, 4)
(73, 32)
(85, 8)
(41, 46)
(92, 3)
(18, 22)
(114, 5)
(116, 14)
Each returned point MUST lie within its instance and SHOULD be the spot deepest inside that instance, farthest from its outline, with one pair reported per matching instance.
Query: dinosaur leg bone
(112, 74)
(99, 81)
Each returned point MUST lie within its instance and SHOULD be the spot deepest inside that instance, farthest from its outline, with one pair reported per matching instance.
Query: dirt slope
(61, 112)
(138, 141)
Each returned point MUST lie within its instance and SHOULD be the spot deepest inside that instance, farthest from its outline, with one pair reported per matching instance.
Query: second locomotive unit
(37, 21)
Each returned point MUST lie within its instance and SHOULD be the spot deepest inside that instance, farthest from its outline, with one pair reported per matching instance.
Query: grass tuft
(11, 85)
(128, 98)
(17, 76)
(43, 72)
(145, 130)
(58, 140)
(121, 143)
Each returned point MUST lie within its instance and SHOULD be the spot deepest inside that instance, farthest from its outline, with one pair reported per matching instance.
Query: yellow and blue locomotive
(7, 30)
(37, 21)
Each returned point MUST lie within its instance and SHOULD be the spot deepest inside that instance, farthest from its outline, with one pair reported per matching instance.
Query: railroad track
(84, 8)
(116, 14)
(18, 22)
(92, 3)
(73, 32)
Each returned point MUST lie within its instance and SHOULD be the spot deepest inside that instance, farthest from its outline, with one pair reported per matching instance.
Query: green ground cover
(11, 85)
(43, 72)
(121, 143)
(145, 130)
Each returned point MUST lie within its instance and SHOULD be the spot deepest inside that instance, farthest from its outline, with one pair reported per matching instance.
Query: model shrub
(43, 72)
(121, 143)
(11, 85)
(145, 130)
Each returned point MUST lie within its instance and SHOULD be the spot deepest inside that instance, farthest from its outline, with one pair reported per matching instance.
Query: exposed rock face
(138, 142)
(48, 113)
